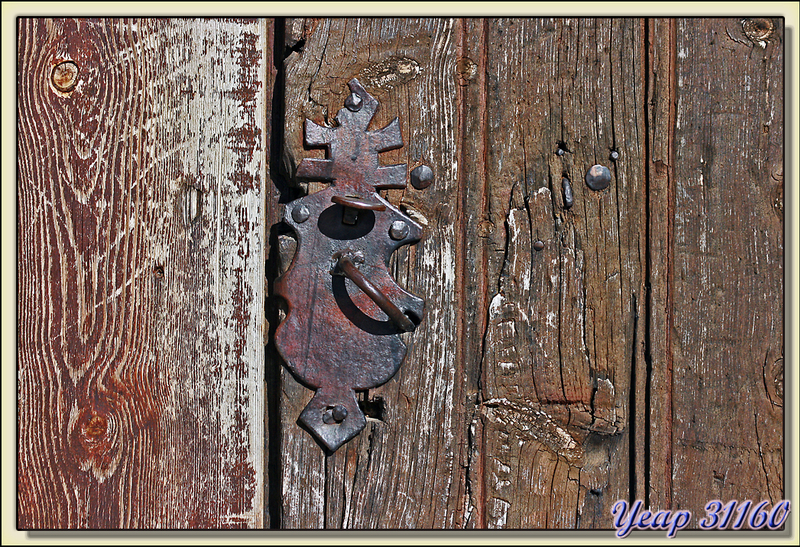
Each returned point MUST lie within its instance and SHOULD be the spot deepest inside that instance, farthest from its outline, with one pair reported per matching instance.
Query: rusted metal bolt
(538, 245)
(65, 76)
(354, 102)
(300, 214)
(421, 177)
(598, 177)
(614, 155)
(398, 230)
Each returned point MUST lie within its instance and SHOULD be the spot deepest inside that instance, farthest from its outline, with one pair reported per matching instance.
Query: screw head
(598, 177)
(65, 76)
(421, 177)
(354, 102)
(614, 155)
(300, 214)
(398, 230)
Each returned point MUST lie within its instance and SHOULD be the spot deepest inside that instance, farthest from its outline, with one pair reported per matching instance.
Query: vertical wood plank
(728, 344)
(564, 333)
(657, 412)
(141, 268)
(407, 468)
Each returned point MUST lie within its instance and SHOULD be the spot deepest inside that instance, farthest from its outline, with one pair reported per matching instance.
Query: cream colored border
(11, 10)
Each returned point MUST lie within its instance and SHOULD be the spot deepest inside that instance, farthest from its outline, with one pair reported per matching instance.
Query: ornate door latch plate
(345, 311)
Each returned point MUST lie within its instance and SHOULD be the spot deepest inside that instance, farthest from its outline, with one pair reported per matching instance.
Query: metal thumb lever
(348, 268)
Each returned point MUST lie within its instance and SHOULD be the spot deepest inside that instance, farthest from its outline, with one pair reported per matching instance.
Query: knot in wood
(759, 29)
(65, 76)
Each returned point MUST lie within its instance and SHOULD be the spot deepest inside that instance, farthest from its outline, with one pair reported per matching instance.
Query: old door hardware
(347, 266)
(346, 313)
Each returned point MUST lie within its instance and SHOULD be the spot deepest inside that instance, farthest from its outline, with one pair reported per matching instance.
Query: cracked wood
(382, 466)
(566, 363)
(562, 384)
(629, 346)
(567, 283)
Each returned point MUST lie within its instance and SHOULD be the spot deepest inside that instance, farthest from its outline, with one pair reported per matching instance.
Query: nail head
(354, 102)
(421, 177)
(300, 214)
(598, 177)
(538, 245)
(566, 188)
(339, 413)
(398, 230)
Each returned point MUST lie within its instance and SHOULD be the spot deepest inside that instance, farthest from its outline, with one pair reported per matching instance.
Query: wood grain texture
(141, 268)
(655, 407)
(590, 346)
(407, 468)
(629, 346)
(523, 361)
(727, 343)
(563, 333)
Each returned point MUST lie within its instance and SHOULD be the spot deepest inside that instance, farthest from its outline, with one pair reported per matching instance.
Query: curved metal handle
(349, 269)
(357, 202)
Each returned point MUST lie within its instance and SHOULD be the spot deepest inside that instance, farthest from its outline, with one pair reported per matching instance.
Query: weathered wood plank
(564, 332)
(727, 346)
(407, 468)
(141, 268)
(655, 409)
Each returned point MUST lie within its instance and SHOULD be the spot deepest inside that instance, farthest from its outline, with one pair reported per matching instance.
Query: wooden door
(623, 344)
(627, 347)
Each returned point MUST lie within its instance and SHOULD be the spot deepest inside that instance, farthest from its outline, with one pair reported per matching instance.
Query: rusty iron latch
(346, 313)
